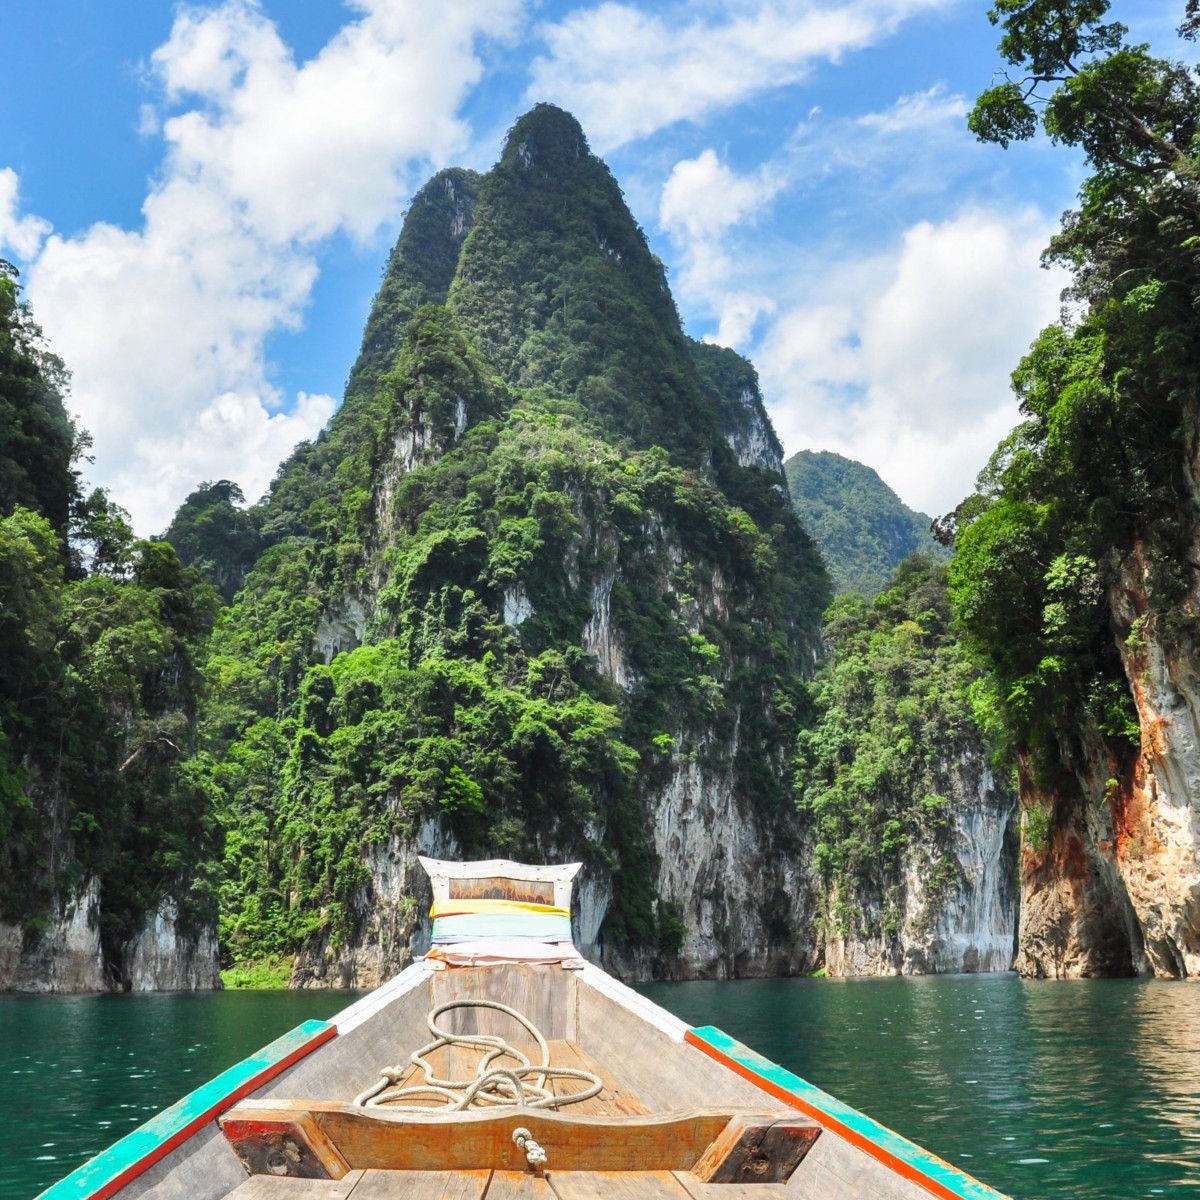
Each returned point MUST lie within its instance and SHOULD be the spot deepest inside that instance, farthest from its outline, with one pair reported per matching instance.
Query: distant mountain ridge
(863, 529)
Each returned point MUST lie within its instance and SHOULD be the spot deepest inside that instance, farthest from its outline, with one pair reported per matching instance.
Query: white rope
(490, 1085)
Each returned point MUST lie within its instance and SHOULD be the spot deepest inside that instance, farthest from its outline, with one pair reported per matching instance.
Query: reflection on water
(1049, 1091)
(1070, 1090)
(77, 1072)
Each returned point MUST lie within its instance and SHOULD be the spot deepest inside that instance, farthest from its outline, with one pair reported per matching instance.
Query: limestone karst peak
(545, 137)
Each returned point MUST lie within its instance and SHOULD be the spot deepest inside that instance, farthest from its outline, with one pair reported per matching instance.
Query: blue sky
(201, 199)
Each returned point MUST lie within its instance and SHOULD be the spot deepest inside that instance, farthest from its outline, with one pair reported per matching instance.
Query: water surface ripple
(1067, 1090)
(1049, 1091)
(78, 1072)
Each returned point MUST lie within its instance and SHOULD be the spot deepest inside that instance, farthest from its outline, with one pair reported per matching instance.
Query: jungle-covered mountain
(537, 591)
(862, 528)
(108, 832)
(534, 592)
(1077, 574)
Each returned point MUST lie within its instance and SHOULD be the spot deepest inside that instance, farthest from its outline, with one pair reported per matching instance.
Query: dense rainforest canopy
(1098, 473)
(862, 528)
(99, 637)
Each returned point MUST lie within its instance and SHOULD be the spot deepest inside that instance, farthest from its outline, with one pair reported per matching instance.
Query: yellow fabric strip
(446, 908)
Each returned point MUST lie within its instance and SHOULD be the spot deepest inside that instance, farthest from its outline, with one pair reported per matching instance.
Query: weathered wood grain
(477, 1140)
(750, 1150)
(836, 1170)
(422, 1185)
(617, 1185)
(698, 1189)
(272, 1187)
(662, 1073)
(543, 993)
(284, 1142)
(518, 1185)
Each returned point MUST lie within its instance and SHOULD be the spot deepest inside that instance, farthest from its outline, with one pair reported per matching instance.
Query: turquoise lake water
(1086, 1090)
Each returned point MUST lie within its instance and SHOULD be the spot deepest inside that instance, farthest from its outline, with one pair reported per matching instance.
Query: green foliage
(538, 454)
(38, 441)
(213, 533)
(1094, 483)
(560, 290)
(732, 383)
(259, 974)
(1133, 115)
(99, 640)
(859, 524)
(419, 270)
(377, 748)
(97, 694)
(894, 717)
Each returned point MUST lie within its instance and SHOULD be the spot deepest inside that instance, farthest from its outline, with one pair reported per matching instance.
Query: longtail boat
(502, 1066)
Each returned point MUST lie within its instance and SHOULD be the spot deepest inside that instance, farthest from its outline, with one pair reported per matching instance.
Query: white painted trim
(630, 1000)
(441, 871)
(502, 868)
(399, 985)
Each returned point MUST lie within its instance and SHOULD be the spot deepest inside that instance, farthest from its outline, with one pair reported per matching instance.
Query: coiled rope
(490, 1085)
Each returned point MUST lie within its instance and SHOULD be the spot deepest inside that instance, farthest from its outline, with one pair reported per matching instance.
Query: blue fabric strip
(467, 927)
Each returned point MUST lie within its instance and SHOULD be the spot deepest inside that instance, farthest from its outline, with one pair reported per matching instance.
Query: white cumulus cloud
(701, 201)
(20, 236)
(903, 361)
(626, 72)
(869, 166)
(164, 325)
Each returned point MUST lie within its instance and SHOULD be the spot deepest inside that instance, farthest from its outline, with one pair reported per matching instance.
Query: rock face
(396, 903)
(66, 955)
(733, 384)
(1114, 887)
(955, 909)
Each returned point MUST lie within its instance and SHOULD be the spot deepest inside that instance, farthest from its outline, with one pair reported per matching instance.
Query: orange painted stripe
(894, 1163)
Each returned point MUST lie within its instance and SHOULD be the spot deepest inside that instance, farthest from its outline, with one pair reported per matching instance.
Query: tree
(213, 532)
(38, 441)
(1134, 116)
(1100, 465)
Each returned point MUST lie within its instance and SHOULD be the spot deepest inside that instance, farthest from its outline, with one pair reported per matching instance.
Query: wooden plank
(104, 1175)
(660, 1071)
(477, 1140)
(545, 994)
(615, 1098)
(616, 1185)
(484, 1139)
(461, 1063)
(518, 1185)
(698, 1189)
(902, 1157)
(272, 1187)
(422, 1185)
(835, 1170)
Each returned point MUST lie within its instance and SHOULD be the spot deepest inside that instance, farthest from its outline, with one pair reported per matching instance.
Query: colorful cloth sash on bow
(470, 920)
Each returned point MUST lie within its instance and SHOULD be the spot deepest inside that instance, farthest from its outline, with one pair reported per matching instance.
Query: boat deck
(504, 1185)
(618, 1114)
